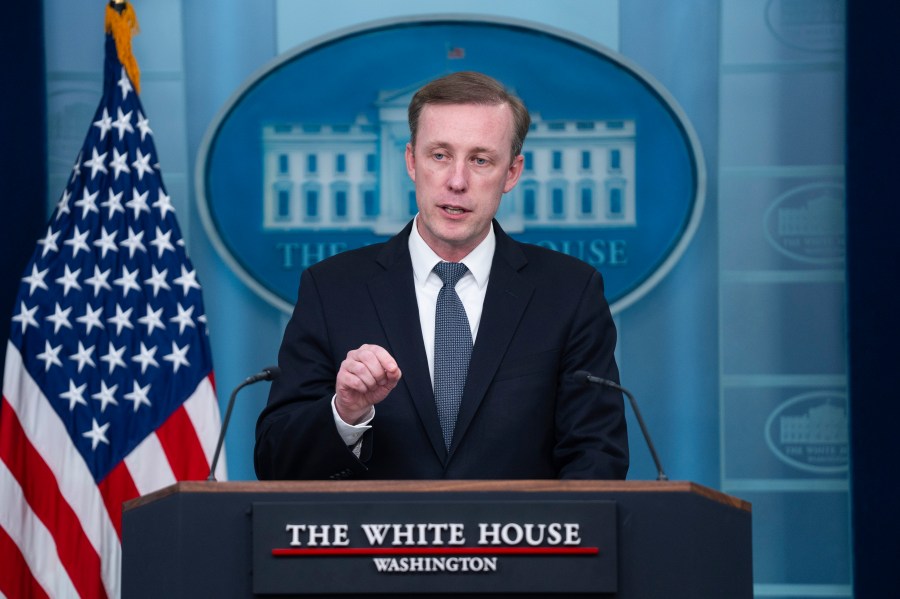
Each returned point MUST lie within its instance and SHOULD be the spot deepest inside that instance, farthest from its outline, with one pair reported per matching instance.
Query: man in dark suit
(366, 355)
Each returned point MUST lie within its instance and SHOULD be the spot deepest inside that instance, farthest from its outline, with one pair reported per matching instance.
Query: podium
(622, 539)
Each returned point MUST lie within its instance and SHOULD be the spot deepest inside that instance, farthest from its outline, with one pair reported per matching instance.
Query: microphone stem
(660, 474)
(215, 460)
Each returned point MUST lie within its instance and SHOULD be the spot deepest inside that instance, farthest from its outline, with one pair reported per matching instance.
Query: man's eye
(439, 156)
(481, 161)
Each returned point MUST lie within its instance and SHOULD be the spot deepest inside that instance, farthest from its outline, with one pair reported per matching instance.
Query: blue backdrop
(743, 342)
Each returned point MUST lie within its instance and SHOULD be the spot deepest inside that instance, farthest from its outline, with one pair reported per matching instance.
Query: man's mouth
(453, 210)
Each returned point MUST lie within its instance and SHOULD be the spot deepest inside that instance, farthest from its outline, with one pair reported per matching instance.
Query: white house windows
(585, 160)
(340, 207)
(615, 199)
(575, 174)
(529, 200)
(283, 210)
(556, 158)
(371, 206)
(311, 192)
(557, 190)
(585, 196)
(615, 161)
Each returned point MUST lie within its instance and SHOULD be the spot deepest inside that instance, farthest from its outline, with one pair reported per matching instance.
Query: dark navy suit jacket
(522, 416)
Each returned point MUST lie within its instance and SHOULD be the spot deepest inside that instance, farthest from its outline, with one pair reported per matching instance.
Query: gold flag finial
(121, 23)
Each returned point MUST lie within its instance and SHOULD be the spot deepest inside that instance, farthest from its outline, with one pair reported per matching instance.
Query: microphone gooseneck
(584, 377)
(269, 373)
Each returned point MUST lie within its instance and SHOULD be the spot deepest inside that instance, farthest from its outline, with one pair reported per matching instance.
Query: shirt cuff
(351, 433)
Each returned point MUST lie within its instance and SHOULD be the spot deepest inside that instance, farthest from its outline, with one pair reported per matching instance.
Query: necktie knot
(450, 272)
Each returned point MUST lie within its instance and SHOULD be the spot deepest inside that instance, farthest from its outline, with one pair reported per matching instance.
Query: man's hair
(469, 87)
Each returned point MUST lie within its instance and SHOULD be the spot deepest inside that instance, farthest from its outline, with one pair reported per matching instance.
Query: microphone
(269, 373)
(584, 377)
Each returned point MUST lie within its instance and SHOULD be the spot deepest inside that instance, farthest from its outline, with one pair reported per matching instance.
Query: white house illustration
(821, 424)
(349, 176)
(820, 216)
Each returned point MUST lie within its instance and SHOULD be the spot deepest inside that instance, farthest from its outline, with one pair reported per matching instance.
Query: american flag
(108, 388)
(455, 52)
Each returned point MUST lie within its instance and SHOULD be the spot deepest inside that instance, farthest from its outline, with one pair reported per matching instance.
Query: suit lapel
(394, 296)
(507, 296)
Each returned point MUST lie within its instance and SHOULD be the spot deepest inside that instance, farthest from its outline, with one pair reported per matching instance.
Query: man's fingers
(378, 363)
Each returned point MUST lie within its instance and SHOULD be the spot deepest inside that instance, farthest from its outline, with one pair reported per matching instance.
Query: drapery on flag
(108, 388)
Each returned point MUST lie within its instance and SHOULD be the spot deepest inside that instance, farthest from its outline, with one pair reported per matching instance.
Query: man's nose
(458, 177)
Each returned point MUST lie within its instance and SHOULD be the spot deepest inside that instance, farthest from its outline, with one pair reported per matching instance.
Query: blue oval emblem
(807, 223)
(809, 432)
(306, 160)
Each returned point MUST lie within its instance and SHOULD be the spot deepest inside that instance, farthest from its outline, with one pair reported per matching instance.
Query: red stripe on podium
(345, 551)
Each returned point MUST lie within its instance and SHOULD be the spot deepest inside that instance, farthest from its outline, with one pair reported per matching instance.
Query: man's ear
(410, 161)
(514, 172)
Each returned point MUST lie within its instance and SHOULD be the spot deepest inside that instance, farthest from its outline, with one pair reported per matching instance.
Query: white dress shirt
(471, 289)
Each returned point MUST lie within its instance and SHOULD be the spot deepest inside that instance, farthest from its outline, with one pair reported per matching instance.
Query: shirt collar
(478, 261)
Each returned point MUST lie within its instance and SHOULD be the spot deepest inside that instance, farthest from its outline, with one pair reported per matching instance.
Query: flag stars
(143, 125)
(123, 123)
(97, 163)
(36, 279)
(152, 320)
(187, 280)
(113, 357)
(114, 203)
(60, 318)
(50, 355)
(124, 84)
(146, 357)
(122, 319)
(98, 280)
(104, 123)
(91, 318)
(158, 280)
(75, 395)
(49, 242)
(134, 242)
(69, 280)
(78, 241)
(138, 203)
(106, 396)
(128, 281)
(162, 242)
(106, 243)
(97, 434)
(142, 164)
(88, 203)
(164, 203)
(178, 357)
(26, 317)
(119, 164)
(140, 396)
(63, 206)
(183, 319)
(83, 356)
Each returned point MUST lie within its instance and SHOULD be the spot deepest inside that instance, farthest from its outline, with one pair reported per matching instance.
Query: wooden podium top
(441, 486)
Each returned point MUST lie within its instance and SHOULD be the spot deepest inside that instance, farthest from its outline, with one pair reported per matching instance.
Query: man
(366, 353)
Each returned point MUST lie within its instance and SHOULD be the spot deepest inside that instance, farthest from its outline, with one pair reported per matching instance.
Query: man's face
(461, 165)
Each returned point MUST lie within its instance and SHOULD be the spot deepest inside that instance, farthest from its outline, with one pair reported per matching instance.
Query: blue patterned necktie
(452, 347)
